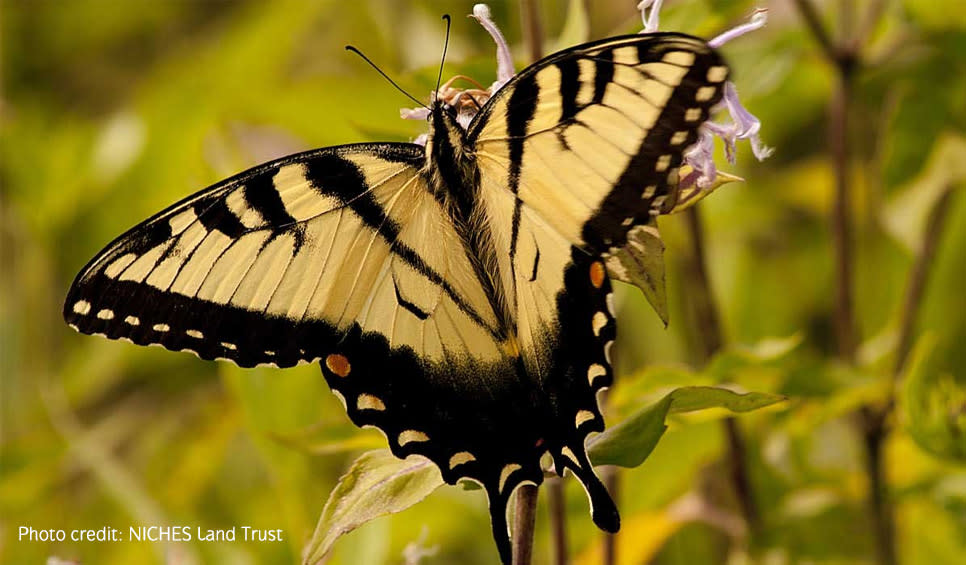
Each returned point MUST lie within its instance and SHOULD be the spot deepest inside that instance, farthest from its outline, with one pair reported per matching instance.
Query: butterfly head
(446, 141)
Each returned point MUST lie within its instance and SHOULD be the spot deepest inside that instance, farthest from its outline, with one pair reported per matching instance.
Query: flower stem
(532, 29)
(845, 58)
(524, 519)
(918, 279)
(711, 341)
(874, 420)
(814, 22)
(558, 520)
(611, 479)
(842, 213)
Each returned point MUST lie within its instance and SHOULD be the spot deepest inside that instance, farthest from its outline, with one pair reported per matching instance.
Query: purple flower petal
(746, 125)
(652, 19)
(504, 61)
(758, 21)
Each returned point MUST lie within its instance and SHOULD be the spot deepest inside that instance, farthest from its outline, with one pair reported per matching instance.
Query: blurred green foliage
(112, 110)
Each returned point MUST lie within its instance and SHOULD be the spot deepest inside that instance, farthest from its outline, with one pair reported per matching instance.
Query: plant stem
(883, 514)
(814, 23)
(846, 60)
(702, 298)
(524, 519)
(611, 479)
(871, 18)
(842, 212)
(711, 340)
(883, 520)
(558, 520)
(532, 29)
(918, 279)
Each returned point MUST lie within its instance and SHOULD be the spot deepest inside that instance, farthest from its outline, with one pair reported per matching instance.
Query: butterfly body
(455, 294)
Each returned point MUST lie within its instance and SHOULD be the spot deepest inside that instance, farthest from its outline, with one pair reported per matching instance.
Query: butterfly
(456, 295)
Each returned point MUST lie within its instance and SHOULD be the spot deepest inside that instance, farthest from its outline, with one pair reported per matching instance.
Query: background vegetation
(111, 110)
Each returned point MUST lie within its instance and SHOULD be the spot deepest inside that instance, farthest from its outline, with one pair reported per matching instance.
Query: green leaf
(934, 405)
(322, 439)
(377, 484)
(725, 365)
(629, 443)
(691, 399)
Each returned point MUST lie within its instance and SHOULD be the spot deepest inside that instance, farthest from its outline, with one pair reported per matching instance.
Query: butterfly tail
(602, 508)
(501, 530)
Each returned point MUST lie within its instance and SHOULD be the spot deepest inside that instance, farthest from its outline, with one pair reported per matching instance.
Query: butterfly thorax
(452, 172)
(450, 164)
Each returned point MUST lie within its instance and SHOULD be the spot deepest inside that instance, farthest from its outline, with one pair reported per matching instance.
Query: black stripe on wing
(520, 111)
(654, 167)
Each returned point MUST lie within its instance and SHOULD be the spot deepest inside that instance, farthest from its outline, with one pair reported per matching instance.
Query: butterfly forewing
(273, 265)
(591, 138)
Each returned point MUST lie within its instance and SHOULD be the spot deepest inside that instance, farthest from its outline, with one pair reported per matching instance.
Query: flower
(504, 61)
(651, 19)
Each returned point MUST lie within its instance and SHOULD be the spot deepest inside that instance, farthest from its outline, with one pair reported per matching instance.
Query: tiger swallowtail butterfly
(456, 295)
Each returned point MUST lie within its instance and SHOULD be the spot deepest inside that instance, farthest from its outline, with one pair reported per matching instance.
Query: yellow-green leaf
(377, 484)
(629, 443)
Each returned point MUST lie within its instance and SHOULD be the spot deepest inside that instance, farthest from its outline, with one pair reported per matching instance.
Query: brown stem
(846, 19)
(558, 520)
(842, 213)
(739, 474)
(611, 479)
(702, 298)
(883, 514)
(918, 278)
(532, 29)
(880, 508)
(814, 22)
(871, 18)
(706, 312)
(846, 60)
(524, 519)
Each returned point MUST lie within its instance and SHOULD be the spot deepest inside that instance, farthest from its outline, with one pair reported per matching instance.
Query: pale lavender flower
(504, 61)
(758, 20)
(651, 19)
(700, 157)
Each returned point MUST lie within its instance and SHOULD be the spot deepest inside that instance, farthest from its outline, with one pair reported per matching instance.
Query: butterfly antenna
(384, 75)
(439, 78)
